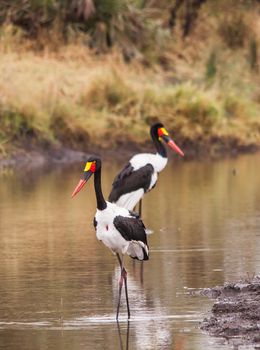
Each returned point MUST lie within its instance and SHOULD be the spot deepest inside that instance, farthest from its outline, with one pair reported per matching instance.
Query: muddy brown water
(58, 284)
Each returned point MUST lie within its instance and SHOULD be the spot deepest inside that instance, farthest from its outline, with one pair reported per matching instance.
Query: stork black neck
(158, 145)
(101, 203)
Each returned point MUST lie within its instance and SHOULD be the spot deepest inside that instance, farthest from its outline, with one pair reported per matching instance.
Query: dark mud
(34, 159)
(235, 314)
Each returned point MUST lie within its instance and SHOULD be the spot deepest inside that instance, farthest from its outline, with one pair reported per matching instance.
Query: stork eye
(90, 166)
(93, 167)
(162, 131)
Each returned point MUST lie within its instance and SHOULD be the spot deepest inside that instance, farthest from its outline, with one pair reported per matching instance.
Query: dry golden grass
(70, 96)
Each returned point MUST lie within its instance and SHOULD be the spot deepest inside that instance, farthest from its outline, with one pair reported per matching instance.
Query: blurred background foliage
(68, 66)
(136, 23)
(145, 29)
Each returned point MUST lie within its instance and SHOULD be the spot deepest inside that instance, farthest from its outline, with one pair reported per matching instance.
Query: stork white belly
(106, 231)
(112, 239)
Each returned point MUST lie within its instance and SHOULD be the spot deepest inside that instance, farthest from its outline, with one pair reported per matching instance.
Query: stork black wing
(126, 171)
(132, 229)
(129, 181)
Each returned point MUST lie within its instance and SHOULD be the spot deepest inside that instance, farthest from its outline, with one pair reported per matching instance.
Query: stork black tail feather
(145, 254)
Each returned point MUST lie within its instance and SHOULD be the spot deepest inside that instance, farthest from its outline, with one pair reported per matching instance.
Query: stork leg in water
(140, 208)
(123, 280)
(142, 265)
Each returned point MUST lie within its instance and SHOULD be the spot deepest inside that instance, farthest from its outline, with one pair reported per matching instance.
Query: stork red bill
(79, 186)
(173, 146)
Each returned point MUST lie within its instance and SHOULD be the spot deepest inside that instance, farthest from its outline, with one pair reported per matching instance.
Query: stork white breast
(156, 160)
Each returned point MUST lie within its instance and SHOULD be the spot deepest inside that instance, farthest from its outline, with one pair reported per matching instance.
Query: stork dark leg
(142, 272)
(140, 214)
(142, 263)
(123, 279)
(120, 287)
(126, 295)
(140, 208)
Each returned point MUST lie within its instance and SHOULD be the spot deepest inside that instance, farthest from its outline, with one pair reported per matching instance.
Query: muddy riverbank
(37, 157)
(235, 314)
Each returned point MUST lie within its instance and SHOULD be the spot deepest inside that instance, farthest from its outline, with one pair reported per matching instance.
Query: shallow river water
(58, 284)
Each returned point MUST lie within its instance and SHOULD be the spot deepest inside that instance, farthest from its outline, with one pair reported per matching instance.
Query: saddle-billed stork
(118, 228)
(141, 173)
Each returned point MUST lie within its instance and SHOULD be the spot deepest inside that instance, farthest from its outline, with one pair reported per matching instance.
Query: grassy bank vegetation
(204, 86)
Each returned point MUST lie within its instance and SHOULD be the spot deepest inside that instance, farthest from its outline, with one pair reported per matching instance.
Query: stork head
(92, 165)
(159, 132)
